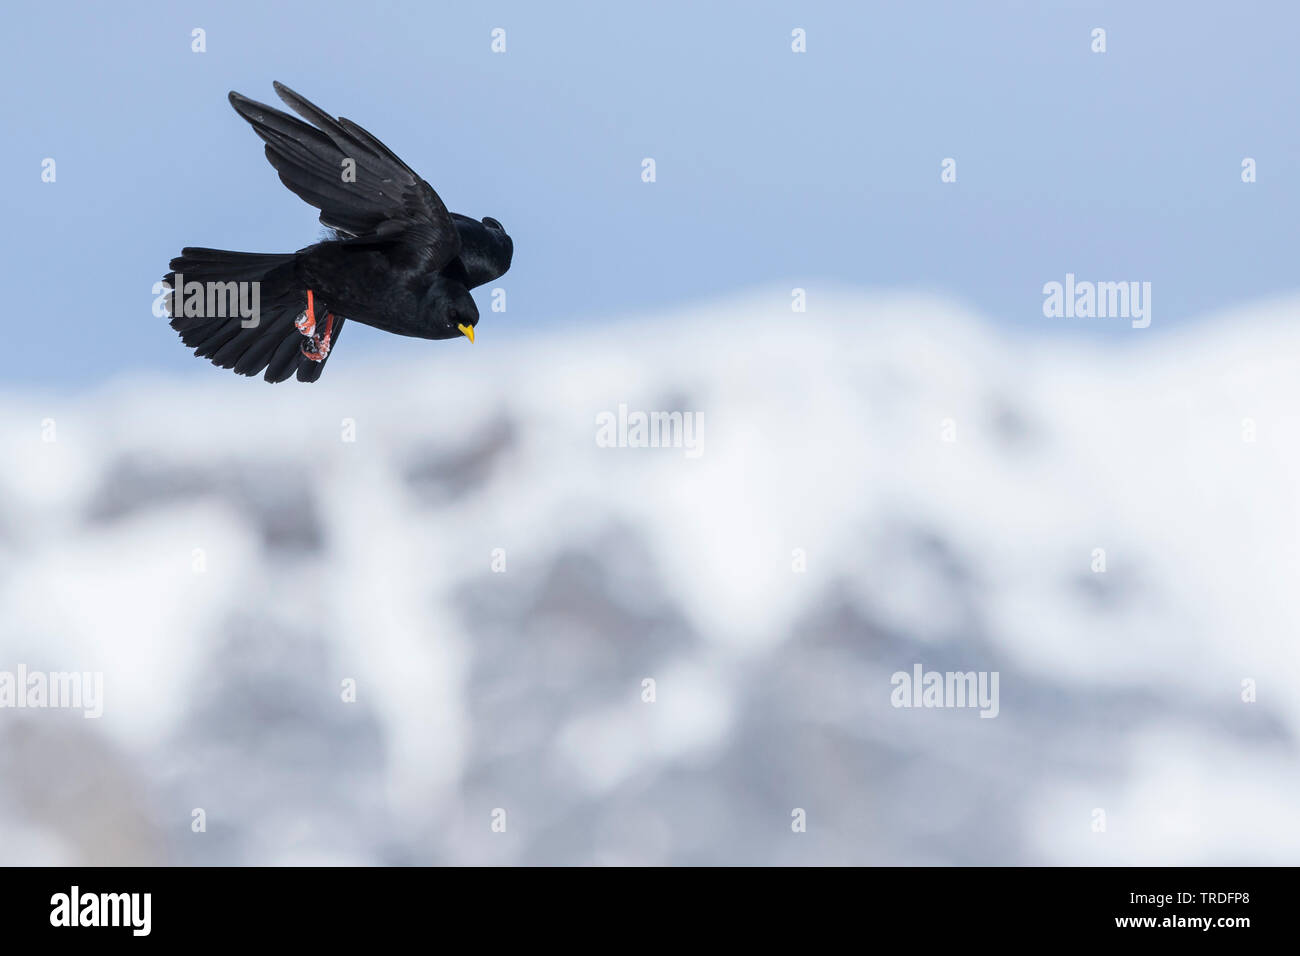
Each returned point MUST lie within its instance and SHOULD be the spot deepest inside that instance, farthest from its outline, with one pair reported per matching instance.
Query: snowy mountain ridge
(881, 483)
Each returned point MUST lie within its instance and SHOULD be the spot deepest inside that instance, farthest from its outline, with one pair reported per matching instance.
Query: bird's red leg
(320, 343)
(318, 346)
(306, 323)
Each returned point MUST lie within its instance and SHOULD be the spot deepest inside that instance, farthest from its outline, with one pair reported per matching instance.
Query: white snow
(823, 433)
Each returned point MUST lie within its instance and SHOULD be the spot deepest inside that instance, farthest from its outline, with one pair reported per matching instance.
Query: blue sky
(817, 170)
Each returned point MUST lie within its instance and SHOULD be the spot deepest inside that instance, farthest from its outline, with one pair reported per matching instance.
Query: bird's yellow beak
(468, 332)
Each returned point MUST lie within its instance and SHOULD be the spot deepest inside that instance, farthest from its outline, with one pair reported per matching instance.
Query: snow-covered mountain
(880, 483)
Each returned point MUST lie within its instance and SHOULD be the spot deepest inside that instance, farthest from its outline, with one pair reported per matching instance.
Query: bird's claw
(320, 346)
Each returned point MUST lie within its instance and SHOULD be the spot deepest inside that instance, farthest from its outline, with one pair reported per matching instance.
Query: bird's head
(449, 310)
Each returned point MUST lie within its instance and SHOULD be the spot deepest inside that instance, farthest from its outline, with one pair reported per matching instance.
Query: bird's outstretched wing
(385, 200)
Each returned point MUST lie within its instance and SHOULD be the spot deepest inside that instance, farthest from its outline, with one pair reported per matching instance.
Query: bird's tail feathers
(239, 310)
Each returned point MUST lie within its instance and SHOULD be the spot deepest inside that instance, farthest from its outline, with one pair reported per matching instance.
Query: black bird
(396, 259)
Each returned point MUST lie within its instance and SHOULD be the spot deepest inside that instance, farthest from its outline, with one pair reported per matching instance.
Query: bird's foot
(320, 344)
(306, 322)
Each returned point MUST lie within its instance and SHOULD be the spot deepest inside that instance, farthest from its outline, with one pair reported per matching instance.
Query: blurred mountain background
(229, 553)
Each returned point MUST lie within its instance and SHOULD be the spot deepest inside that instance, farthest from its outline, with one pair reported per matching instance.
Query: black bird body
(382, 284)
(377, 284)
(397, 259)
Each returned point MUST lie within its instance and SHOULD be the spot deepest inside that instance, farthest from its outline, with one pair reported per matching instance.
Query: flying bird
(395, 258)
